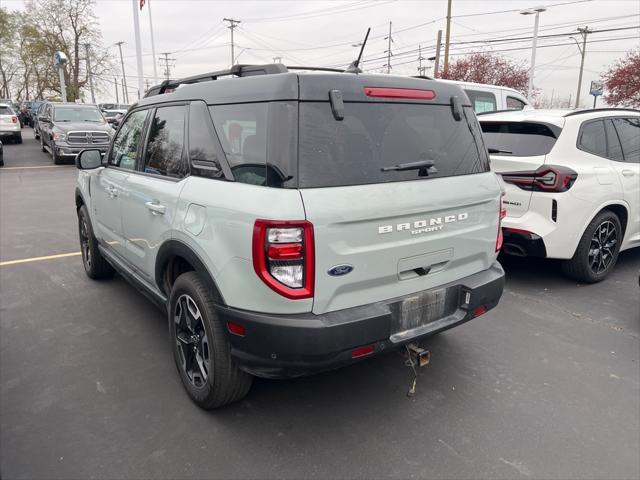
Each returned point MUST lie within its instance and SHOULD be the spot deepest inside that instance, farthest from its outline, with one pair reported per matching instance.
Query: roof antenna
(354, 67)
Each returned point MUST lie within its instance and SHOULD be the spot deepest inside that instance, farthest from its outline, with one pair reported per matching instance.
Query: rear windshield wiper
(425, 167)
(497, 150)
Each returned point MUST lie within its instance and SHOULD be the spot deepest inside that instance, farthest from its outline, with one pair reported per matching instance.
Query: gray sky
(322, 33)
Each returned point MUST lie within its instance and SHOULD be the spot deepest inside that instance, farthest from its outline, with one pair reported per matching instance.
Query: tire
(17, 138)
(597, 252)
(56, 158)
(44, 150)
(95, 266)
(200, 346)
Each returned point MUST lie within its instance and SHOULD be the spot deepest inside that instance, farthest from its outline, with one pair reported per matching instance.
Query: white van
(489, 98)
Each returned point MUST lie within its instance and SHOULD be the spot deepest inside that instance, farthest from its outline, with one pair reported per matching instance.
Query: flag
(141, 4)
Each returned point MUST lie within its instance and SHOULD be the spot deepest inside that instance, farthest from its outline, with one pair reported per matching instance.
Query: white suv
(573, 184)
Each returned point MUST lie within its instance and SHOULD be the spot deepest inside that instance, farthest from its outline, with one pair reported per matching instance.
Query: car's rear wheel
(597, 252)
(17, 138)
(95, 265)
(200, 346)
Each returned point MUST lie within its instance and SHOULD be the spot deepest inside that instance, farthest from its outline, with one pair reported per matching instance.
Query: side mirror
(89, 159)
(43, 118)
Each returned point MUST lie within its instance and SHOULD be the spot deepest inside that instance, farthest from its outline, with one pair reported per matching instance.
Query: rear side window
(482, 101)
(205, 153)
(164, 154)
(514, 104)
(592, 138)
(519, 139)
(5, 110)
(375, 135)
(629, 133)
(259, 141)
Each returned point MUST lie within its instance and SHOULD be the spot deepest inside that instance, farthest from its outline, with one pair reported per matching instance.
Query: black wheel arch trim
(79, 198)
(175, 247)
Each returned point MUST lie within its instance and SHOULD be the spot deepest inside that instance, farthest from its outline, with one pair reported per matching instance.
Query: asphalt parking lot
(545, 386)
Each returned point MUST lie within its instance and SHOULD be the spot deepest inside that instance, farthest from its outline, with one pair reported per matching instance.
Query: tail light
(502, 214)
(547, 178)
(14, 119)
(283, 256)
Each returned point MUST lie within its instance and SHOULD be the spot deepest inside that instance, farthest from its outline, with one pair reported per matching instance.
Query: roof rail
(320, 69)
(608, 109)
(237, 70)
(424, 77)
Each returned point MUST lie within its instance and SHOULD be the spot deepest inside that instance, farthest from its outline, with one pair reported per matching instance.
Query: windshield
(519, 139)
(77, 114)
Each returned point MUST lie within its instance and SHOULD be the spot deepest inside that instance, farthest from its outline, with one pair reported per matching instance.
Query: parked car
(67, 128)
(114, 113)
(573, 184)
(489, 98)
(9, 124)
(291, 223)
(1, 155)
(36, 124)
(33, 110)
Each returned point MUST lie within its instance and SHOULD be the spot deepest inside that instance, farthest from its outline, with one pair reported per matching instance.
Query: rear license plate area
(423, 308)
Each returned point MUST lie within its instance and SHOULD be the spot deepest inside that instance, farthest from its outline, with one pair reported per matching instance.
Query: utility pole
(436, 66)
(93, 95)
(277, 59)
(146, 83)
(584, 32)
(115, 82)
(166, 60)
(447, 38)
(233, 24)
(388, 52)
(421, 69)
(125, 93)
(136, 28)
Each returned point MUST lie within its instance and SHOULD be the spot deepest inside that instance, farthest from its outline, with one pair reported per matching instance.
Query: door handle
(628, 173)
(112, 192)
(156, 208)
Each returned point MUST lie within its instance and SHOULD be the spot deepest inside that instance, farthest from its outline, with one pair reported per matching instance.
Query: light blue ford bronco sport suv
(291, 222)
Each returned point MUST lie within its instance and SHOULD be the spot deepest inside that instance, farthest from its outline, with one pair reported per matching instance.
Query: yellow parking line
(37, 166)
(6, 263)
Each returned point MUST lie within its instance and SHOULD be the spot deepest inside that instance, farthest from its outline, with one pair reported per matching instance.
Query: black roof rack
(237, 70)
(609, 109)
(424, 77)
(320, 69)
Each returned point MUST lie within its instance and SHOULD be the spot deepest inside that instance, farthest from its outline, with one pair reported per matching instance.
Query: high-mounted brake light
(502, 214)
(547, 178)
(284, 258)
(383, 92)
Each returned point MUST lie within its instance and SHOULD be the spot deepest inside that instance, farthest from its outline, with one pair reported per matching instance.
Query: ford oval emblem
(340, 270)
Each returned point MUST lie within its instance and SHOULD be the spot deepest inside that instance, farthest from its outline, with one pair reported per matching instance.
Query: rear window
(519, 139)
(482, 101)
(375, 135)
(4, 110)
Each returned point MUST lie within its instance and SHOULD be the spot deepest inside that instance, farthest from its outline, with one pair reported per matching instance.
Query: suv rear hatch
(517, 147)
(398, 232)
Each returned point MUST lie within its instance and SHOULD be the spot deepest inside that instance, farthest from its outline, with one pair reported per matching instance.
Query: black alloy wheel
(192, 342)
(603, 247)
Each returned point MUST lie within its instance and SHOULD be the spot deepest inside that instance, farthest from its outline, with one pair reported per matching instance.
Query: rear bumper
(523, 244)
(9, 130)
(283, 346)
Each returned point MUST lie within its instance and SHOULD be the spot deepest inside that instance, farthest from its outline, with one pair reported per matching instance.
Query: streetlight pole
(125, 93)
(531, 11)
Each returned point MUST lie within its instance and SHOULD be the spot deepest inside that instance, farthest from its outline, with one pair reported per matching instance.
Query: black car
(68, 128)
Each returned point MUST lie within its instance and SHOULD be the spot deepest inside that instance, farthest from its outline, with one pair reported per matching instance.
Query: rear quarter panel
(216, 218)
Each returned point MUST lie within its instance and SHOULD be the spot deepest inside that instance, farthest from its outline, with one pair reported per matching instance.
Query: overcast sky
(323, 32)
